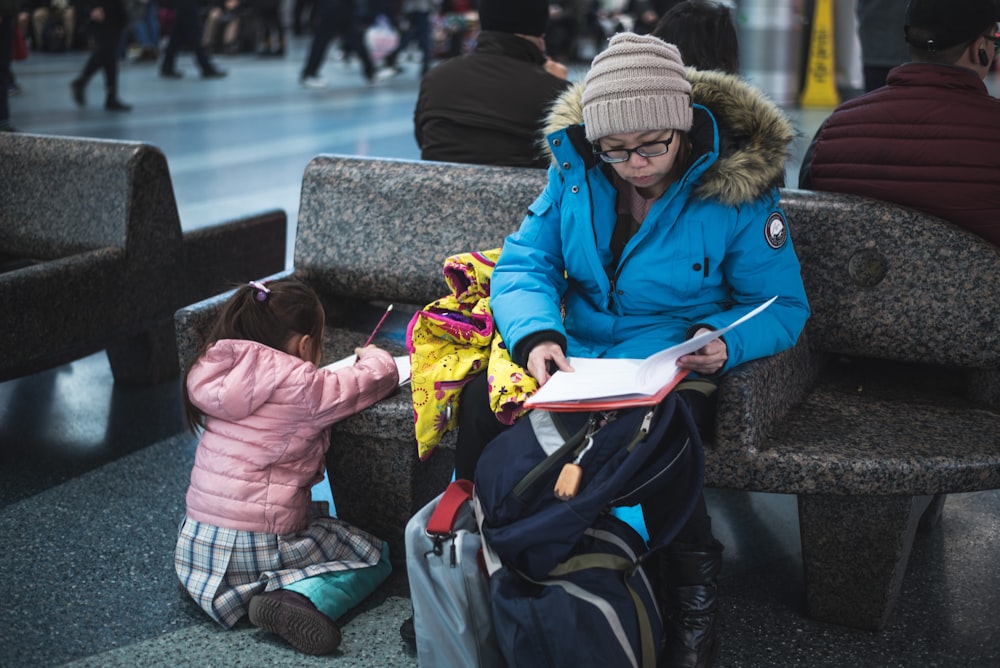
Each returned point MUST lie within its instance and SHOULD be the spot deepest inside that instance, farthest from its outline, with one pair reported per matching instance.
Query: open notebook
(612, 383)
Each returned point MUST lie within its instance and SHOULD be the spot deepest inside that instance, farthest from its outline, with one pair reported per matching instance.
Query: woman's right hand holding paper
(544, 359)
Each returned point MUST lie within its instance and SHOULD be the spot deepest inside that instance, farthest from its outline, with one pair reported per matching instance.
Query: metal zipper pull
(647, 420)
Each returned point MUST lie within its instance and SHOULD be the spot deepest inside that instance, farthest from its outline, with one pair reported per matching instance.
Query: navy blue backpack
(572, 589)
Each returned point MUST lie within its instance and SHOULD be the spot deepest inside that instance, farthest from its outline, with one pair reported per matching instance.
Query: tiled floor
(92, 475)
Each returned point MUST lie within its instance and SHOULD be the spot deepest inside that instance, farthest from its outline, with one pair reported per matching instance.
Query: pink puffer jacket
(267, 430)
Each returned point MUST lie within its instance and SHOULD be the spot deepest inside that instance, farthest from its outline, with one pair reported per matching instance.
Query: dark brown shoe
(293, 617)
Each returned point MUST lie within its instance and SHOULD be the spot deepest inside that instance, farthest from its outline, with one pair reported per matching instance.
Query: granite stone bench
(891, 397)
(863, 443)
(92, 256)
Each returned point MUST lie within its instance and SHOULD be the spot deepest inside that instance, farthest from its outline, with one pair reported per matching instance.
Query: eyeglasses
(647, 150)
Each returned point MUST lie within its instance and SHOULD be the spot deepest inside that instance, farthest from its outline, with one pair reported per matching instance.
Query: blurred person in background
(930, 138)
(108, 19)
(704, 32)
(187, 30)
(882, 44)
(8, 20)
(487, 107)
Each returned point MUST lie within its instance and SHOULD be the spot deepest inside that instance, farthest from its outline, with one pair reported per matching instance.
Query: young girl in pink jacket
(251, 541)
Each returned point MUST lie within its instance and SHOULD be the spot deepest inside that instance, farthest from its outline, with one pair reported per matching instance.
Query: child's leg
(335, 593)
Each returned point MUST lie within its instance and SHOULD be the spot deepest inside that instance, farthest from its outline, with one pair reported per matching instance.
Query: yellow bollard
(820, 88)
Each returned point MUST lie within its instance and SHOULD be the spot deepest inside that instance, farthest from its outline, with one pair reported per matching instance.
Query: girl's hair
(268, 313)
(704, 33)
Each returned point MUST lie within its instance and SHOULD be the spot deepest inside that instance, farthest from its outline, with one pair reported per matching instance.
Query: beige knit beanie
(636, 84)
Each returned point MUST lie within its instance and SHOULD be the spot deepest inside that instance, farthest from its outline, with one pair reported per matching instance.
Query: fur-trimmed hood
(754, 134)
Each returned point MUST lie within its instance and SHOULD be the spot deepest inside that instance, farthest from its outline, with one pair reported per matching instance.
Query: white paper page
(402, 365)
(341, 363)
(591, 379)
(660, 367)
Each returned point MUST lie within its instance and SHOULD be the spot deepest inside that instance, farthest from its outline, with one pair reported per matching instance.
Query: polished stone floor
(92, 474)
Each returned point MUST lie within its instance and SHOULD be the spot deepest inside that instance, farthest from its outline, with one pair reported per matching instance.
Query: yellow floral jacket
(450, 341)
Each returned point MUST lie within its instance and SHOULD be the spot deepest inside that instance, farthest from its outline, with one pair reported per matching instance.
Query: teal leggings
(335, 593)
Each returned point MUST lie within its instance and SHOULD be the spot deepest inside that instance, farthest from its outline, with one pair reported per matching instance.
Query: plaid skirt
(222, 569)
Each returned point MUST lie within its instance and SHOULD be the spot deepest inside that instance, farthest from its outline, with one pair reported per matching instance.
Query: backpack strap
(442, 520)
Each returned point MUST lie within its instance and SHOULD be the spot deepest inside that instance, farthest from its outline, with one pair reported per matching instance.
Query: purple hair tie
(261, 291)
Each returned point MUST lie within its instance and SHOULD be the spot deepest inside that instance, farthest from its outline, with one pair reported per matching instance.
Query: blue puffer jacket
(707, 253)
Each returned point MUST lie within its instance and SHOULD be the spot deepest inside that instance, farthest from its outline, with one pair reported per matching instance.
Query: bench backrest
(378, 229)
(889, 282)
(883, 281)
(64, 195)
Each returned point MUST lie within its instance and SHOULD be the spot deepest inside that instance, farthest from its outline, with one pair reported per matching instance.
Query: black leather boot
(689, 596)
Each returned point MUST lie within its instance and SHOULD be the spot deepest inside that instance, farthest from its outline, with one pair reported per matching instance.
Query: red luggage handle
(442, 520)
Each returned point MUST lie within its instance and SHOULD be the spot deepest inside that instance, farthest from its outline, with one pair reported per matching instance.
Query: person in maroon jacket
(930, 138)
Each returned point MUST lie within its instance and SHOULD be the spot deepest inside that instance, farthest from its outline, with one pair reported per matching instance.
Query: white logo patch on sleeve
(776, 230)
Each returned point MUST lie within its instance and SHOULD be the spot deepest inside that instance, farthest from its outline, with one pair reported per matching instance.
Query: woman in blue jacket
(658, 221)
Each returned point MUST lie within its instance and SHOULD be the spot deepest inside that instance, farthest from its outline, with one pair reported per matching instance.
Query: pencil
(378, 326)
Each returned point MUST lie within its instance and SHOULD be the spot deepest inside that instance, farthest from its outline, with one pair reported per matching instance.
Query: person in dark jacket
(487, 107)
(930, 138)
(108, 19)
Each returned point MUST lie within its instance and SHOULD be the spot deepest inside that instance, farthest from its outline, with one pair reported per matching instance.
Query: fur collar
(754, 135)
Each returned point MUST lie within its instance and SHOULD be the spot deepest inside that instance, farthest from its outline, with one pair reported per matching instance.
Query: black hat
(524, 17)
(941, 24)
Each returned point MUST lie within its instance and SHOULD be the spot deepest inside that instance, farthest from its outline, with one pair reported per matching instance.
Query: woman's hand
(545, 356)
(707, 359)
